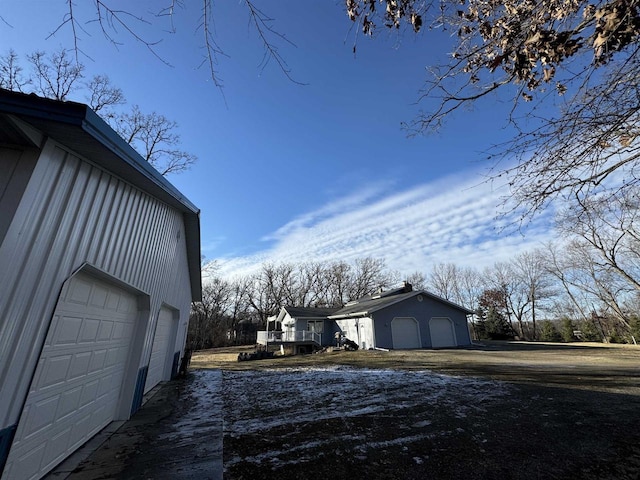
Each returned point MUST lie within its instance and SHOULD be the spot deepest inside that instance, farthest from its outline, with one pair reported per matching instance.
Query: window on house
(315, 326)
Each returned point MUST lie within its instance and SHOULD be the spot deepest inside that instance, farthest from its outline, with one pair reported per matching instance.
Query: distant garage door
(75, 390)
(442, 333)
(405, 333)
(162, 351)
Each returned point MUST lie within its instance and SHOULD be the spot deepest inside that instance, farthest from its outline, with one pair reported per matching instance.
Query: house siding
(360, 330)
(73, 213)
(422, 311)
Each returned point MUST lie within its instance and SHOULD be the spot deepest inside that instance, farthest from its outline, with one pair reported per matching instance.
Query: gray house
(395, 319)
(300, 329)
(403, 319)
(99, 264)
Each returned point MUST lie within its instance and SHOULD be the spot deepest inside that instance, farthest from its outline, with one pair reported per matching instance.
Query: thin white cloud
(449, 220)
(210, 244)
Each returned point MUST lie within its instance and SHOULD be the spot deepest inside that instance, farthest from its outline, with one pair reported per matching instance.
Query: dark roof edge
(393, 300)
(80, 115)
(102, 132)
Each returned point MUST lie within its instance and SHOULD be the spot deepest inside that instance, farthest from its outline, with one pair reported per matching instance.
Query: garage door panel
(98, 358)
(29, 464)
(67, 331)
(76, 387)
(40, 417)
(79, 365)
(105, 331)
(79, 293)
(69, 402)
(161, 349)
(88, 393)
(99, 297)
(405, 333)
(90, 329)
(442, 333)
(55, 371)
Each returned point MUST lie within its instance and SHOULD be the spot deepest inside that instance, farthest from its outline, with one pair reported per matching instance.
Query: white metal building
(99, 263)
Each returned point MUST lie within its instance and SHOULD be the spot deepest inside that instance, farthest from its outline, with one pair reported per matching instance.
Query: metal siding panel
(71, 213)
(94, 197)
(27, 283)
(16, 166)
(128, 219)
(114, 251)
(110, 211)
(132, 245)
(162, 276)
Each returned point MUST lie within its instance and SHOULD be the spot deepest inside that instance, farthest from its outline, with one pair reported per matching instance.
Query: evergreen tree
(549, 332)
(566, 330)
(492, 311)
(480, 326)
(589, 331)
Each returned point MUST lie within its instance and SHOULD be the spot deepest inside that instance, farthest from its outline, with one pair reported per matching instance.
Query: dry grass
(557, 411)
(576, 365)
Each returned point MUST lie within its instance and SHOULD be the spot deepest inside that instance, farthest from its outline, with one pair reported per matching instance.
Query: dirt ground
(500, 410)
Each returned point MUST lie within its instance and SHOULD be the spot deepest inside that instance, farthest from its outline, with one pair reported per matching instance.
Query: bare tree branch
(263, 26)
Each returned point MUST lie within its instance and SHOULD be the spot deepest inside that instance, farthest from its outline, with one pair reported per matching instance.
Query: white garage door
(162, 351)
(442, 333)
(405, 333)
(75, 390)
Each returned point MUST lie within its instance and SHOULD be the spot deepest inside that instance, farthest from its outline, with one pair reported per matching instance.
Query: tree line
(584, 289)
(230, 308)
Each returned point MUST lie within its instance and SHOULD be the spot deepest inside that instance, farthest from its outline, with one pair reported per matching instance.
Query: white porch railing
(276, 336)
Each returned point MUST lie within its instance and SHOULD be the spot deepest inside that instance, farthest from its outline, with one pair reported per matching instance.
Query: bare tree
(311, 289)
(461, 285)
(60, 77)
(607, 246)
(470, 285)
(500, 278)
(337, 284)
(578, 59)
(154, 137)
(532, 276)
(527, 287)
(417, 280)
(442, 280)
(56, 75)
(273, 287)
(208, 326)
(593, 288)
(240, 307)
(562, 267)
(146, 27)
(12, 74)
(368, 276)
(103, 95)
(609, 225)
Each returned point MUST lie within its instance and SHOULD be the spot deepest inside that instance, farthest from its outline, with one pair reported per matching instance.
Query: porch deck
(297, 337)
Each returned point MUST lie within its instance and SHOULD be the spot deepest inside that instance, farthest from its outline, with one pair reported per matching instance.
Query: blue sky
(320, 171)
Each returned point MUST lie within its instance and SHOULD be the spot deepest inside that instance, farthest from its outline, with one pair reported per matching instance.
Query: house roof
(309, 312)
(372, 303)
(81, 129)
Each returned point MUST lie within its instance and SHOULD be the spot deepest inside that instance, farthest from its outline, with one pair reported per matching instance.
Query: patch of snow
(291, 400)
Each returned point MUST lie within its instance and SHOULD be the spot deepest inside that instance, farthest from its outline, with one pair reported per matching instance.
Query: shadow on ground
(177, 435)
